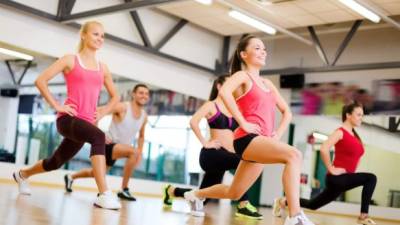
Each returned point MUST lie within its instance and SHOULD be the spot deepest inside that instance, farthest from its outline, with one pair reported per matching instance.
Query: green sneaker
(167, 199)
(248, 211)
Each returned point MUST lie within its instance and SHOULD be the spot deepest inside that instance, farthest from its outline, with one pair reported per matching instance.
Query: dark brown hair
(214, 90)
(237, 61)
(348, 109)
(137, 86)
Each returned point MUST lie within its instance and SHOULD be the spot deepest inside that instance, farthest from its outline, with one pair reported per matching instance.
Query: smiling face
(355, 117)
(254, 53)
(141, 95)
(92, 35)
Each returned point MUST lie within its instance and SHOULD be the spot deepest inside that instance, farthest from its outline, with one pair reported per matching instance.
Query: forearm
(45, 92)
(284, 123)
(108, 108)
(140, 143)
(197, 132)
(326, 158)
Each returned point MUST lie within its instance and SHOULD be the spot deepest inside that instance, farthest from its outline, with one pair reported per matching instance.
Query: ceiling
(284, 13)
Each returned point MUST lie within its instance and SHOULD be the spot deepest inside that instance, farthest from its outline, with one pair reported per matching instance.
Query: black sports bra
(221, 121)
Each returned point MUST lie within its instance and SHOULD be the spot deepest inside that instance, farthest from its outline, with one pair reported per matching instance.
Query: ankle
(282, 202)
(23, 175)
(171, 190)
(292, 215)
(243, 204)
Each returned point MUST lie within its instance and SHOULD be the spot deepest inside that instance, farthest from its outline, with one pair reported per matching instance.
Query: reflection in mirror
(381, 156)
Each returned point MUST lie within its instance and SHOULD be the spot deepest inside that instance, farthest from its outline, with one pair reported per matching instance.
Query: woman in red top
(341, 173)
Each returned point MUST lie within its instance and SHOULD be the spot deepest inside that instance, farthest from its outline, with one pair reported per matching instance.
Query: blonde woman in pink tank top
(252, 100)
(84, 76)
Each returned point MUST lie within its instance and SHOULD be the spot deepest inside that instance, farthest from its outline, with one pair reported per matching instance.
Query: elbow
(192, 123)
(38, 82)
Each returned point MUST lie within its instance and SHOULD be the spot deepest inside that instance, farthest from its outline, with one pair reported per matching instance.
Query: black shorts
(241, 144)
(109, 150)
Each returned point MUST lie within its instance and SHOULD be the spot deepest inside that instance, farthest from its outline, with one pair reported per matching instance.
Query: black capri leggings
(335, 185)
(76, 132)
(214, 162)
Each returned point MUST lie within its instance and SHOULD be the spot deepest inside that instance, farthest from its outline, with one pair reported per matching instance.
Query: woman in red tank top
(341, 175)
(84, 76)
(252, 101)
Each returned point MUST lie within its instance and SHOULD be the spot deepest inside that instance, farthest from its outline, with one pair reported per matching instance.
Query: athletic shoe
(277, 209)
(196, 204)
(248, 211)
(366, 221)
(23, 184)
(68, 182)
(299, 219)
(125, 194)
(167, 199)
(107, 200)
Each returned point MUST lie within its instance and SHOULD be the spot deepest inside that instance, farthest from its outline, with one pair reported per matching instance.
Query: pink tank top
(83, 89)
(257, 106)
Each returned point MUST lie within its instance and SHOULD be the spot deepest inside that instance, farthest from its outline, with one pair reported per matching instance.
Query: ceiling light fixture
(252, 22)
(16, 54)
(362, 10)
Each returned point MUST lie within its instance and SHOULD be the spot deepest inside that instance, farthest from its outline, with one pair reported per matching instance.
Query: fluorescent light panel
(252, 22)
(205, 2)
(360, 9)
(16, 54)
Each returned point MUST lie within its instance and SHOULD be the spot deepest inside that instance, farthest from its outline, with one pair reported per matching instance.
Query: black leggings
(76, 132)
(214, 162)
(336, 185)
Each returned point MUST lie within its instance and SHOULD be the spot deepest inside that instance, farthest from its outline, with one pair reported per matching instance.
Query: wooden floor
(52, 206)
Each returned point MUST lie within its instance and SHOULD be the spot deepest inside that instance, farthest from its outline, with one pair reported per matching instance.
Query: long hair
(84, 29)
(237, 61)
(348, 109)
(214, 90)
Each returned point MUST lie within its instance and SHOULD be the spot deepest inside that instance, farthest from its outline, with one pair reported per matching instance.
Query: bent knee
(294, 156)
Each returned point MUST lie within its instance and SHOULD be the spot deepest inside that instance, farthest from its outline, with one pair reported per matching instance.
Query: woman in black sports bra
(217, 154)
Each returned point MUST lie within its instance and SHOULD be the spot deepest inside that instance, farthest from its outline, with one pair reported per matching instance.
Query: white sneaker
(299, 219)
(107, 200)
(277, 209)
(366, 221)
(23, 184)
(196, 204)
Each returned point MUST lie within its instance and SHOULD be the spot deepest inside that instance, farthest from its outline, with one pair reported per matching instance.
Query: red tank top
(83, 89)
(257, 106)
(348, 152)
